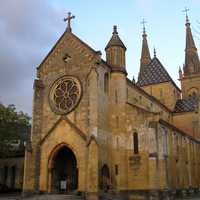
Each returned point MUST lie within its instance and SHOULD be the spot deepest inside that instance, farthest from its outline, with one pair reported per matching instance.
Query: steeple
(115, 50)
(145, 54)
(192, 64)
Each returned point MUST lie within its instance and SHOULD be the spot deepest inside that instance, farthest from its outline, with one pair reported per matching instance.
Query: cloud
(28, 29)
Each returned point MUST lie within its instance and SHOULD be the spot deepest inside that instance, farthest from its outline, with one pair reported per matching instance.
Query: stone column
(93, 171)
(32, 155)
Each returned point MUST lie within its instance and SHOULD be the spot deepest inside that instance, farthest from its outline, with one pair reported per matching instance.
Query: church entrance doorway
(64, 172)
(105, 175)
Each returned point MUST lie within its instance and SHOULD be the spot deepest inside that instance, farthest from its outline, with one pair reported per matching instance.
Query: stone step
(55, 197)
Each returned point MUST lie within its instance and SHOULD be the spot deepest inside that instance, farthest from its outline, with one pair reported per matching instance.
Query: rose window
(65, 94)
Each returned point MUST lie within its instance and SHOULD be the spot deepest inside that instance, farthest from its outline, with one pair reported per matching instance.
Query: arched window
(5, 175)
(13, 176)
(135, 143)
(192, 92)
(106, 83)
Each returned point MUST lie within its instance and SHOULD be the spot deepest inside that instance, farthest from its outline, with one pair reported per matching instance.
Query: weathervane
(68, 19)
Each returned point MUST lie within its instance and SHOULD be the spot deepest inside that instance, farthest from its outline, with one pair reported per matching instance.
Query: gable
(154, 73)
(63, 122)
(69, 53)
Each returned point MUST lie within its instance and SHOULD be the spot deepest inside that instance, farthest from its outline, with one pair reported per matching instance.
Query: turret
(115, 51)
(190, 78)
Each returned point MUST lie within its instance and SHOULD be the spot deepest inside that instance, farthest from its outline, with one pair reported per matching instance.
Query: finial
(68, 19)
(180, 73)
(133, 80)
(154, 52)
(115, 29)
(143, 22)
(186, 15)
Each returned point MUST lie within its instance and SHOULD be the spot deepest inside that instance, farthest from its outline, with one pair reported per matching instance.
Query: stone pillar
(32, 155)
(92, 172)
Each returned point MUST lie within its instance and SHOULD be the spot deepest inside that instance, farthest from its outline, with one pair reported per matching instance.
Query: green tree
(14, 126)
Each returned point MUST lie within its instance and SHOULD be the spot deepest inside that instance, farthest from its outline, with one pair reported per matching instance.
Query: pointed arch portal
(63, 171)
(105, 176)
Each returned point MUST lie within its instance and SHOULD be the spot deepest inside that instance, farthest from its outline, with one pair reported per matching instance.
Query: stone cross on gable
(68, 19)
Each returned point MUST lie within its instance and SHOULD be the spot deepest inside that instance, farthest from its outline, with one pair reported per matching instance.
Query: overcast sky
(28, 30)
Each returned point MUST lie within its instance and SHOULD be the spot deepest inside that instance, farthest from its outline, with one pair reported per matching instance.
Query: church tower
(115, 58)
(190, 79)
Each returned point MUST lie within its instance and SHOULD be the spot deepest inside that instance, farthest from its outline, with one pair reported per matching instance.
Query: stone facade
(127, 142)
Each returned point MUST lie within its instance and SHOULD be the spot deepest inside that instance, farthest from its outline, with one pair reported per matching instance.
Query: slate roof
(154, 73)
(186, 105)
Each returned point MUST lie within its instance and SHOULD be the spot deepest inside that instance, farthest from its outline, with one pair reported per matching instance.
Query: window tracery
(65, 94)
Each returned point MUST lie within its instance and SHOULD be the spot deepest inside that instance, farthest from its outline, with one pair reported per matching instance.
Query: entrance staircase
(55, 197)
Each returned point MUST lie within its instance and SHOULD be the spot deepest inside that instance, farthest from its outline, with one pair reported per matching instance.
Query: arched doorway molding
(55, 151)
(70, 181)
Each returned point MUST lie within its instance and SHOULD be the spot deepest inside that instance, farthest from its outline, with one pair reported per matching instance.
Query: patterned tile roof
(186, 105)
(154, 73)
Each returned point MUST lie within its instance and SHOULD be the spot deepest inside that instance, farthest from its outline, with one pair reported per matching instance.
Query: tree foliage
(14, 126)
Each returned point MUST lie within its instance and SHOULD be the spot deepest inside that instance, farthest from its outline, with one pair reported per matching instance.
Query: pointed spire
(133, 79)
(115, 40)
(180, 73)
(145, 54)
(189, 38)
(154, 52)
(192, 64)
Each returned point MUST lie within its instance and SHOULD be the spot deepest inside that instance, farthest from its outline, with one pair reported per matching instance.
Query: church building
(97, 134)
